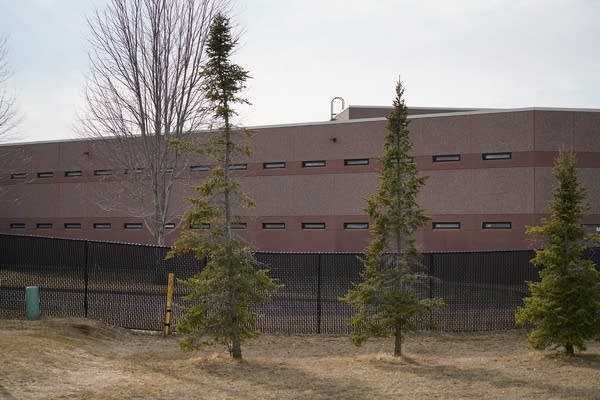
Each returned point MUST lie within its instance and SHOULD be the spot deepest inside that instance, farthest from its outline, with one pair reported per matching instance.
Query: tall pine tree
(564, 306)
(386, 299)
(230, 283)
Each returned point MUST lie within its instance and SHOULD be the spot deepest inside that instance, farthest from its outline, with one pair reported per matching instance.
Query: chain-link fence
(125, 284)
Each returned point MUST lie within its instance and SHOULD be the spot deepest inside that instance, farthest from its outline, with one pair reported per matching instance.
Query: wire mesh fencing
(125, 285)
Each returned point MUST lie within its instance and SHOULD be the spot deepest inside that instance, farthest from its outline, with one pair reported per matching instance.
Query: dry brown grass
(83, 359)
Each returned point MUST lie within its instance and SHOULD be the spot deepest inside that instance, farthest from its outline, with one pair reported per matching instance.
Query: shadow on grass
(495, 378)
(276, 377)
(4, 394)
(581, 360)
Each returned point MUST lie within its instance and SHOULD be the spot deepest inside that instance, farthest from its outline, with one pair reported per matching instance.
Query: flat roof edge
(351, 121)
(333, 122)
(50, 141)
(503, 110)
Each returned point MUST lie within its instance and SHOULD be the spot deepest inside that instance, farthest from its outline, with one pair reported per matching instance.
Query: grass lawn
(83, 359)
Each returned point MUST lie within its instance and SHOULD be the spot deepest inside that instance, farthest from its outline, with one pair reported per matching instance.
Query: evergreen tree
(223, 291)
(564, 306)
(386, 299)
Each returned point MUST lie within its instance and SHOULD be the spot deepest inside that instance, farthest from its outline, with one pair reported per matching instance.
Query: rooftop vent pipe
(343, 106)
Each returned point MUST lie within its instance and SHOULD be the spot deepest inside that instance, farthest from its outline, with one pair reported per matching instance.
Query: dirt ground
(83, 359)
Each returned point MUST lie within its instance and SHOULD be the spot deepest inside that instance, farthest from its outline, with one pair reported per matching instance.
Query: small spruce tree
(385, 302)
(564, 306)
(222, 293)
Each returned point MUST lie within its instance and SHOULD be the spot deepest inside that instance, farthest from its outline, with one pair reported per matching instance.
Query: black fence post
(430, 277)
(429, 274)
(319, 293)
(86, 278)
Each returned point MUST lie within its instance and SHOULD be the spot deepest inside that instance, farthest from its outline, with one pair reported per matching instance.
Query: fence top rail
(85, 240)
(422, 253)
(311, 253)
(315, 253)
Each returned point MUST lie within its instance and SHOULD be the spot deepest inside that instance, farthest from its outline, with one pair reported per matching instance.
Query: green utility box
(32, 302)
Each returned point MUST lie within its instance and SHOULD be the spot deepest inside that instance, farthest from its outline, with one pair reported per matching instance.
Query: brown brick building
(490, 175)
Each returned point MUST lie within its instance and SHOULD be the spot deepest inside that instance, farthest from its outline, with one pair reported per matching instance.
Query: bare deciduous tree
(145, 89)
(8, 113)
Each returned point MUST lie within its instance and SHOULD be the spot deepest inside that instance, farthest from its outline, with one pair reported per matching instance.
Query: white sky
(302, 53)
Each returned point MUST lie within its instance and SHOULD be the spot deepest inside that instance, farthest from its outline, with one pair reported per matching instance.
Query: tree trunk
(398, 341)
(236, 348)
(159, 235)
(569, 349)
(159, 201)
(399, 195)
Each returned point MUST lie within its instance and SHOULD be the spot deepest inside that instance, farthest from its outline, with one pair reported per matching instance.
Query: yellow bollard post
(169, 307)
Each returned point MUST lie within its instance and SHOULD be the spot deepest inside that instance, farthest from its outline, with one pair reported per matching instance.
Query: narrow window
(170, 225)
(133, 225)
(274, 165)
(235, 167)
(273, 225)
(446, 157)
(46, 174)
(356, 225)
(497, 225)
(199, 168)
(168, 170)
(43, 226)
(18, 175)
(17, 225)
(72, 173)
(238, 225)
(200, 226)
(496, 156)
(313, 164)
(72, 225)
(133, 171)
(446, 225)
(101, 172)
(102, 225)
(313, 225)
(357, 161)
(394, 160)
(592, 228)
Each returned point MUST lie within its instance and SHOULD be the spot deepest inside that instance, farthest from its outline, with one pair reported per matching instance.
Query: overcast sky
(303, 53)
